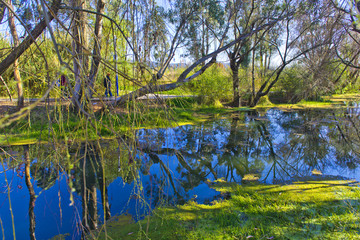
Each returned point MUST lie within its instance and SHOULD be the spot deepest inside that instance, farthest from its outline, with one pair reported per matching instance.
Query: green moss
(303, 210)
(264, 101)
(326, 102)
(343, 97)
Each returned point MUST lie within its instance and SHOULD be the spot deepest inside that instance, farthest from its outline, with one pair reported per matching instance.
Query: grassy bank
(327, 102)
(303, 210)
(57, 122)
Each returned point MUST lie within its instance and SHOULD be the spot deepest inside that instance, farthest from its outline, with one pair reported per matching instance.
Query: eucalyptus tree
(247, 16)
(177, 18)
(204, 28)
(24, 11)
(180, 14)
(15, 39)
(321, 65)
(351, 29)
(293, 48)
(79, 45)
(31, 36)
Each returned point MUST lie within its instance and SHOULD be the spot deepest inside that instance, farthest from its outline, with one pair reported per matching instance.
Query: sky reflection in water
(171, 166)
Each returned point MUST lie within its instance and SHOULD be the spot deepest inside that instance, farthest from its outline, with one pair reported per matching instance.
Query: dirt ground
(7, 107)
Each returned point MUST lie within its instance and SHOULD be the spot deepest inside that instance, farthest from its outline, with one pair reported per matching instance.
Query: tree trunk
(97, 48)
(80, 61)
(262, 92)
(26, 43)
(235, 79)
(253, 72)
(261, 61)
(19, 83)
(2, 11)
(269, 59)
(17, 78)
(186, 75)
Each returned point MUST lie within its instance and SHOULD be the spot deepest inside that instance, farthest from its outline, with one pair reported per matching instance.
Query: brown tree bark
(97, 47)
(2, 11)
(30, 39)
(80, 60)
(17, 77)
(236, 83)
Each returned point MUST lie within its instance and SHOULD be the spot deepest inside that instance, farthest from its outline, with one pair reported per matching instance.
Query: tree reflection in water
(31, 192)
(89, 176)
(169, 166)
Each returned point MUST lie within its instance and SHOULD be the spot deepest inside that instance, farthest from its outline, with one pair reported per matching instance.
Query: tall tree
(204, 28)
(247, 17)
(15, 37)
(97, 46)
(79, 48)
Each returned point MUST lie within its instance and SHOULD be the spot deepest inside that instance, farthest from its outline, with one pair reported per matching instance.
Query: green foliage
(348, 83)
(264, 101)
(290, 87)
(212, 86)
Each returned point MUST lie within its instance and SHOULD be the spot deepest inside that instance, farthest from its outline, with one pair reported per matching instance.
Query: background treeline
(287, 50)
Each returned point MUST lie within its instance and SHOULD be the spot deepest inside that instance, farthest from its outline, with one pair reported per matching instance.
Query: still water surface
(66, 189)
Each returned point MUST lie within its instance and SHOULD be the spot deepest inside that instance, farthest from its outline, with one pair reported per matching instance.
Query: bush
(291, 87)
(212, 86)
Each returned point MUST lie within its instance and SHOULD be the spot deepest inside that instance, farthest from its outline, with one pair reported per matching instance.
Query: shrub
(290, 88)
(212, 86)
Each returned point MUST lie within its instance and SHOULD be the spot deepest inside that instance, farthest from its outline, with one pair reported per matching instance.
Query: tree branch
(30, 39)
(183, 78)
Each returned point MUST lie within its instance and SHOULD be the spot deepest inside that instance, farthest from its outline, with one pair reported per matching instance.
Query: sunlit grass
(66, 125)
(169, 113)
(327, 102)
(303, 210)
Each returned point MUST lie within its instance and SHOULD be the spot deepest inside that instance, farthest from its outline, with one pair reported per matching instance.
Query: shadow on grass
(303, 210)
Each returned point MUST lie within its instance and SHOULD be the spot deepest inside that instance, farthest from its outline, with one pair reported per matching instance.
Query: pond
(69, 188)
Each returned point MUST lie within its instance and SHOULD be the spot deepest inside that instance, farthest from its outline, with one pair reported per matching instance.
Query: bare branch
(183, 78)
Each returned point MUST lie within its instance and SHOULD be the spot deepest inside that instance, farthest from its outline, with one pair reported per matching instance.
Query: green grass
(66, 125)
(180, 91)
(303, 210)
(328, 102)
(178, 111)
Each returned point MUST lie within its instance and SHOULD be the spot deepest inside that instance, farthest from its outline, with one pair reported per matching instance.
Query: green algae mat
(302, 210)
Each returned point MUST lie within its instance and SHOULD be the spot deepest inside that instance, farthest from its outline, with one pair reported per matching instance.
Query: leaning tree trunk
(15, 37)
(30, 39)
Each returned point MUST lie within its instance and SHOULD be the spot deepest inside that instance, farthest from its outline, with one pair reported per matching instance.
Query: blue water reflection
(75, 188)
